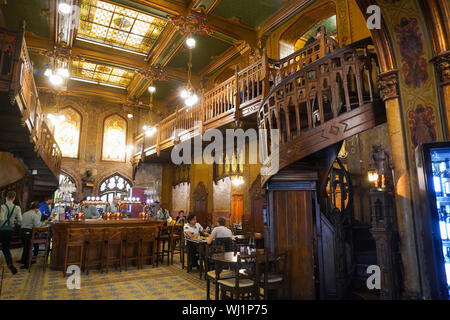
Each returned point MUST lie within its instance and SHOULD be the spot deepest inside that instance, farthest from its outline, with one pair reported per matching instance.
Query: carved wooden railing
(16, 79)
(245, 89)
(322, 103)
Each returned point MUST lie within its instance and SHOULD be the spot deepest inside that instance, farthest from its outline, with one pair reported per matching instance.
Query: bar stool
(164, 236)
(132, 246)
(76, 238)
(39, 235)
(177, 243)
(114, 239)
(148, 245)
(94, 249)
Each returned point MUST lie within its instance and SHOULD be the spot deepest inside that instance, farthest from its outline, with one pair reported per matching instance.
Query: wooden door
(237, 207)
(253, 220)
(200, 204)
(292, 228)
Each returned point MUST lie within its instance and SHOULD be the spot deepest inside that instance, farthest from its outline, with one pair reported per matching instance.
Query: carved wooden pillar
(382, 207)
(442, 63)
(388, 83)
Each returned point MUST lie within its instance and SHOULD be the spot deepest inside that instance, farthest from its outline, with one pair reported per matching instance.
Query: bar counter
(74, 254)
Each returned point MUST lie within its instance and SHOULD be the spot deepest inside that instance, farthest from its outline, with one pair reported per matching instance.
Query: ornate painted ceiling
(118, 42)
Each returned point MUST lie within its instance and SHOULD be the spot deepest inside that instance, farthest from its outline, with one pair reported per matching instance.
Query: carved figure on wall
(422, 124)
(381, 161)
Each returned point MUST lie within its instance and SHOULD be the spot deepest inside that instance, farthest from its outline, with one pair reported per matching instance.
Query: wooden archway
(200, 198)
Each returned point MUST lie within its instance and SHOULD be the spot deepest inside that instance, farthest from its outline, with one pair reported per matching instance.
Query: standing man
(90, 211)
(45, 209)
(162, 214)
(9, 213)
(312, 39)
(30, 219)
(115, 205)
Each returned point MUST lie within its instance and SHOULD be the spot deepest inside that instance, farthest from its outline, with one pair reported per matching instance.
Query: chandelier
(58, 69)
(187, 93)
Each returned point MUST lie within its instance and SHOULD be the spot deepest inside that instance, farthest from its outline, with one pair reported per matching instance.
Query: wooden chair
(114, 247)
(132, 244)
(177, 243)
(148, 245)
(95, 249)
(76, 238)
(243, 284)
(217, 273)
(271, 275)
(164, 236)
(39, 235)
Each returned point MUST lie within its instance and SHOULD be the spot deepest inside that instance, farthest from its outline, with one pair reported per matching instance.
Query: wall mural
(114, 138)
(67, 133)
(417, 82)
(422, 124)
(411, 49)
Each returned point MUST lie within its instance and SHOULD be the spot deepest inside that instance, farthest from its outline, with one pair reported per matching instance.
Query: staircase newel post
(383, 228)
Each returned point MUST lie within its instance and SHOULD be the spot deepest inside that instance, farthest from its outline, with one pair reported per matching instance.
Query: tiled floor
(162, 283)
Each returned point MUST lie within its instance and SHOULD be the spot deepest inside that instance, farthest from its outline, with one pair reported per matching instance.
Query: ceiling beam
(170, 7)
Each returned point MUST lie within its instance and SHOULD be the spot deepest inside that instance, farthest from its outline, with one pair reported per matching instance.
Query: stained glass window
(67, 133)
(114, 138)
(110, 24)
(101, 73)
(112, 186)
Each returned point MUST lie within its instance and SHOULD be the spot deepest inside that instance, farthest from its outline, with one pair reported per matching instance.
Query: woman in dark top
(180, 219)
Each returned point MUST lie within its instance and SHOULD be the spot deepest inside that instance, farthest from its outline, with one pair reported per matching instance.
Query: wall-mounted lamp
(372, 174)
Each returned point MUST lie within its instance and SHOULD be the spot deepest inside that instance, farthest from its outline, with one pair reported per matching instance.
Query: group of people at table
(39, 214)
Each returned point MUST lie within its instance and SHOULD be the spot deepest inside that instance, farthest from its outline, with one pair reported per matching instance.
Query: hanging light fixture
(187, 93)
(58, 69)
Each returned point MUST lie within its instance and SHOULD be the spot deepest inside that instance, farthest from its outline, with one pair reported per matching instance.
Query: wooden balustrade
(324, 102)
(300, 92)
(16, 79)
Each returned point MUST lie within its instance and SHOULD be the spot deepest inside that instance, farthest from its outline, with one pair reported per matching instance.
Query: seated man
(220, 231)
(180, 219)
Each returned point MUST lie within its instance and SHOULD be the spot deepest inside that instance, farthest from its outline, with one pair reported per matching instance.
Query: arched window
(114, 138)
(67, 133)
(114, 185)
(66, 188)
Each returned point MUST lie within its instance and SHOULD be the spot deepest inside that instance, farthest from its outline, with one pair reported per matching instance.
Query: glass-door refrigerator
(433, 170)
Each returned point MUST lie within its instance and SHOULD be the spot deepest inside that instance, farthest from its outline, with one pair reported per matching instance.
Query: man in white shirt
(220, 231)
(192, 230)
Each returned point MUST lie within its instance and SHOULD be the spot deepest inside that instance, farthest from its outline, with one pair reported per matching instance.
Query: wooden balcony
(316, 96)
(23, 130)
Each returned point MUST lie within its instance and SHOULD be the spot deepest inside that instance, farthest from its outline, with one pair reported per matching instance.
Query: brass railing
(16, 79)
(217, 106)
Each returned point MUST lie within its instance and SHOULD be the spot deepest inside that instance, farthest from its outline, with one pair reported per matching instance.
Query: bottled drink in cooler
(445, 177)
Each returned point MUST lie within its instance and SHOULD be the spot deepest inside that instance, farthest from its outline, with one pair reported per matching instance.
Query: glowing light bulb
(63, 72)
(56, 79)
(190, 42)
(151, 89)
(64, 8)
(144, 128)
(48, 73)
(130, 115)
(184, 93)
(88, 198)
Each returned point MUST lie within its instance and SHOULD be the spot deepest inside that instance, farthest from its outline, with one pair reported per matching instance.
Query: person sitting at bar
(115, 205)
(45, 209)
(90, 212)
(220, 232)
(180, 219)
(30, 219)
(9, 213)
(163, 214)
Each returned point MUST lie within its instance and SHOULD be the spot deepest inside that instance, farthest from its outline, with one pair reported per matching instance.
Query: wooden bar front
(61, 229)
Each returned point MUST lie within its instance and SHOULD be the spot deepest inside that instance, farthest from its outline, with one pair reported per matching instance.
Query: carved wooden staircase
(23, 131)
